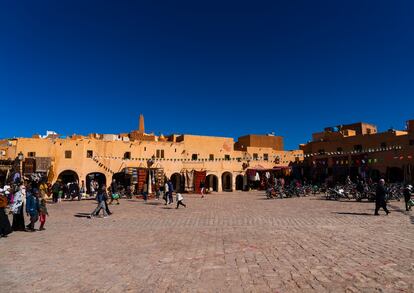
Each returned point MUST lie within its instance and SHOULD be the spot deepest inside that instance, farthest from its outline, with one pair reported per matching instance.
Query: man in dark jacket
(101, 198)
(407, 196)
(32, 208)
(380, 200)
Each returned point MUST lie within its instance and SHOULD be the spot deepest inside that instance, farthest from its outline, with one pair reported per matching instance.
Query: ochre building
(136, 157)
(360, 150)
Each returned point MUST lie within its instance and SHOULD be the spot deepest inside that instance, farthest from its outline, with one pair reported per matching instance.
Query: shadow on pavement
(81, 215)
(355, 214)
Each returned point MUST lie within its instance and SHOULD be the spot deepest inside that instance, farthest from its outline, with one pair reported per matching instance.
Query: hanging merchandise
(189, 181)
(199, 176)
(257, 177)
(267, 175)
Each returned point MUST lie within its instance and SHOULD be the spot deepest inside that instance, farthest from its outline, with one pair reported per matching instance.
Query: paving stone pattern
(227, 242)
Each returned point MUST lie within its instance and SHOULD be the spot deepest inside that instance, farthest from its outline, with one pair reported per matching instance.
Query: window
(358, 148)
(68, 154)
(266, 157)
(227, 157)
(368, 130)
(339, 150)
(194, 157)
(31, 154)
(211, 157)
(383, 145)
(160, 154)
(255, 156)
(89, 154)
(127, 155)
(145, 148)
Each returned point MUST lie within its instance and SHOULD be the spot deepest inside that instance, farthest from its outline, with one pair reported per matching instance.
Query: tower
(141, 127)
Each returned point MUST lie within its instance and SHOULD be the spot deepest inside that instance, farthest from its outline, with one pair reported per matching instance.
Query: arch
(68, 176)
(3, 175)
(239, 182)
(122, 178)
(227, 181)
(98, 177)
(178, 182)
(212, 182)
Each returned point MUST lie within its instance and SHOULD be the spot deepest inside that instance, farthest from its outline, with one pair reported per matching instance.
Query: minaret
(141, 127)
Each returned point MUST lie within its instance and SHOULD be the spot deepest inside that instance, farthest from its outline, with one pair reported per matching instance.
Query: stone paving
(227, 242)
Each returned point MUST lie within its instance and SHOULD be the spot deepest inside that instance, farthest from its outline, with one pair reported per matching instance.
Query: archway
(122, 179)
(68, 176)
(3, 175)
(212, 182)
(98, 177)
(226, 180)
(239, 182)
(177, 182)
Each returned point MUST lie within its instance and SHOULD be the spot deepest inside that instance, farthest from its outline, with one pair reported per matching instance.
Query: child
(42, 214)
(180, 199)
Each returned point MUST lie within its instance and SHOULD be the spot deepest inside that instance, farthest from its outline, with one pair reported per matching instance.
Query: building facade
(360, 150)
(137, 157)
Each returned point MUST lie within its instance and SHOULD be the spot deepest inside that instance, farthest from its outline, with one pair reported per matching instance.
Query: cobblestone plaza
(227, 242)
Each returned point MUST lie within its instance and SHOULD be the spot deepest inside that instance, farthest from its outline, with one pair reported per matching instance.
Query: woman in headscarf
(18, 209)
(5, 228)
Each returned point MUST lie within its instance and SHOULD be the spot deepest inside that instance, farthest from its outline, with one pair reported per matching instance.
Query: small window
(89, 154)
(175, 150)
(339, 150)
(266, 157)
(358, 148)
(162, 154)
(255, 156)
(68, 154)
(127, 156)
(227, 157)
(145, 148)
(31, 154)
(194, 157)
(368, 130)
(211, 157)
(158, 154)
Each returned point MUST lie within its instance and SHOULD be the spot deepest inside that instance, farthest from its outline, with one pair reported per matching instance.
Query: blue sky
(225, 68)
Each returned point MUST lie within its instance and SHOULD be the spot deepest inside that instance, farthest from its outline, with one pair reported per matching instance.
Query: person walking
(114, 192)
(380, 200)
(101, 204)
(55, 191)
(180, 198)
(202, 188)
(165, 196)
(42, 214)
(32, 208)
(17, 209)
(145, 191)
(5, 227)
(407, 196)
(170, 192)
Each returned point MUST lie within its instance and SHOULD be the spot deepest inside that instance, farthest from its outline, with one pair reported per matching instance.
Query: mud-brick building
(137, 157)
(360, 150)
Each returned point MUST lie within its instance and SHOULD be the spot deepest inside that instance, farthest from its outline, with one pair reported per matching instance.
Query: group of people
(18, 200)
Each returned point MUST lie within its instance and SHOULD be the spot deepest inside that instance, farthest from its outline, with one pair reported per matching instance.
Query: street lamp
(20, 156)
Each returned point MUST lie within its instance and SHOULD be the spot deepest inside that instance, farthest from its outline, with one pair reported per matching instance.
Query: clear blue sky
(224, 68)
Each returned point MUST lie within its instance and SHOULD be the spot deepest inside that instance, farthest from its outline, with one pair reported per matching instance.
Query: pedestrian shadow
(81, 215)
(355, 214)
(154, 203)
(168, 208)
